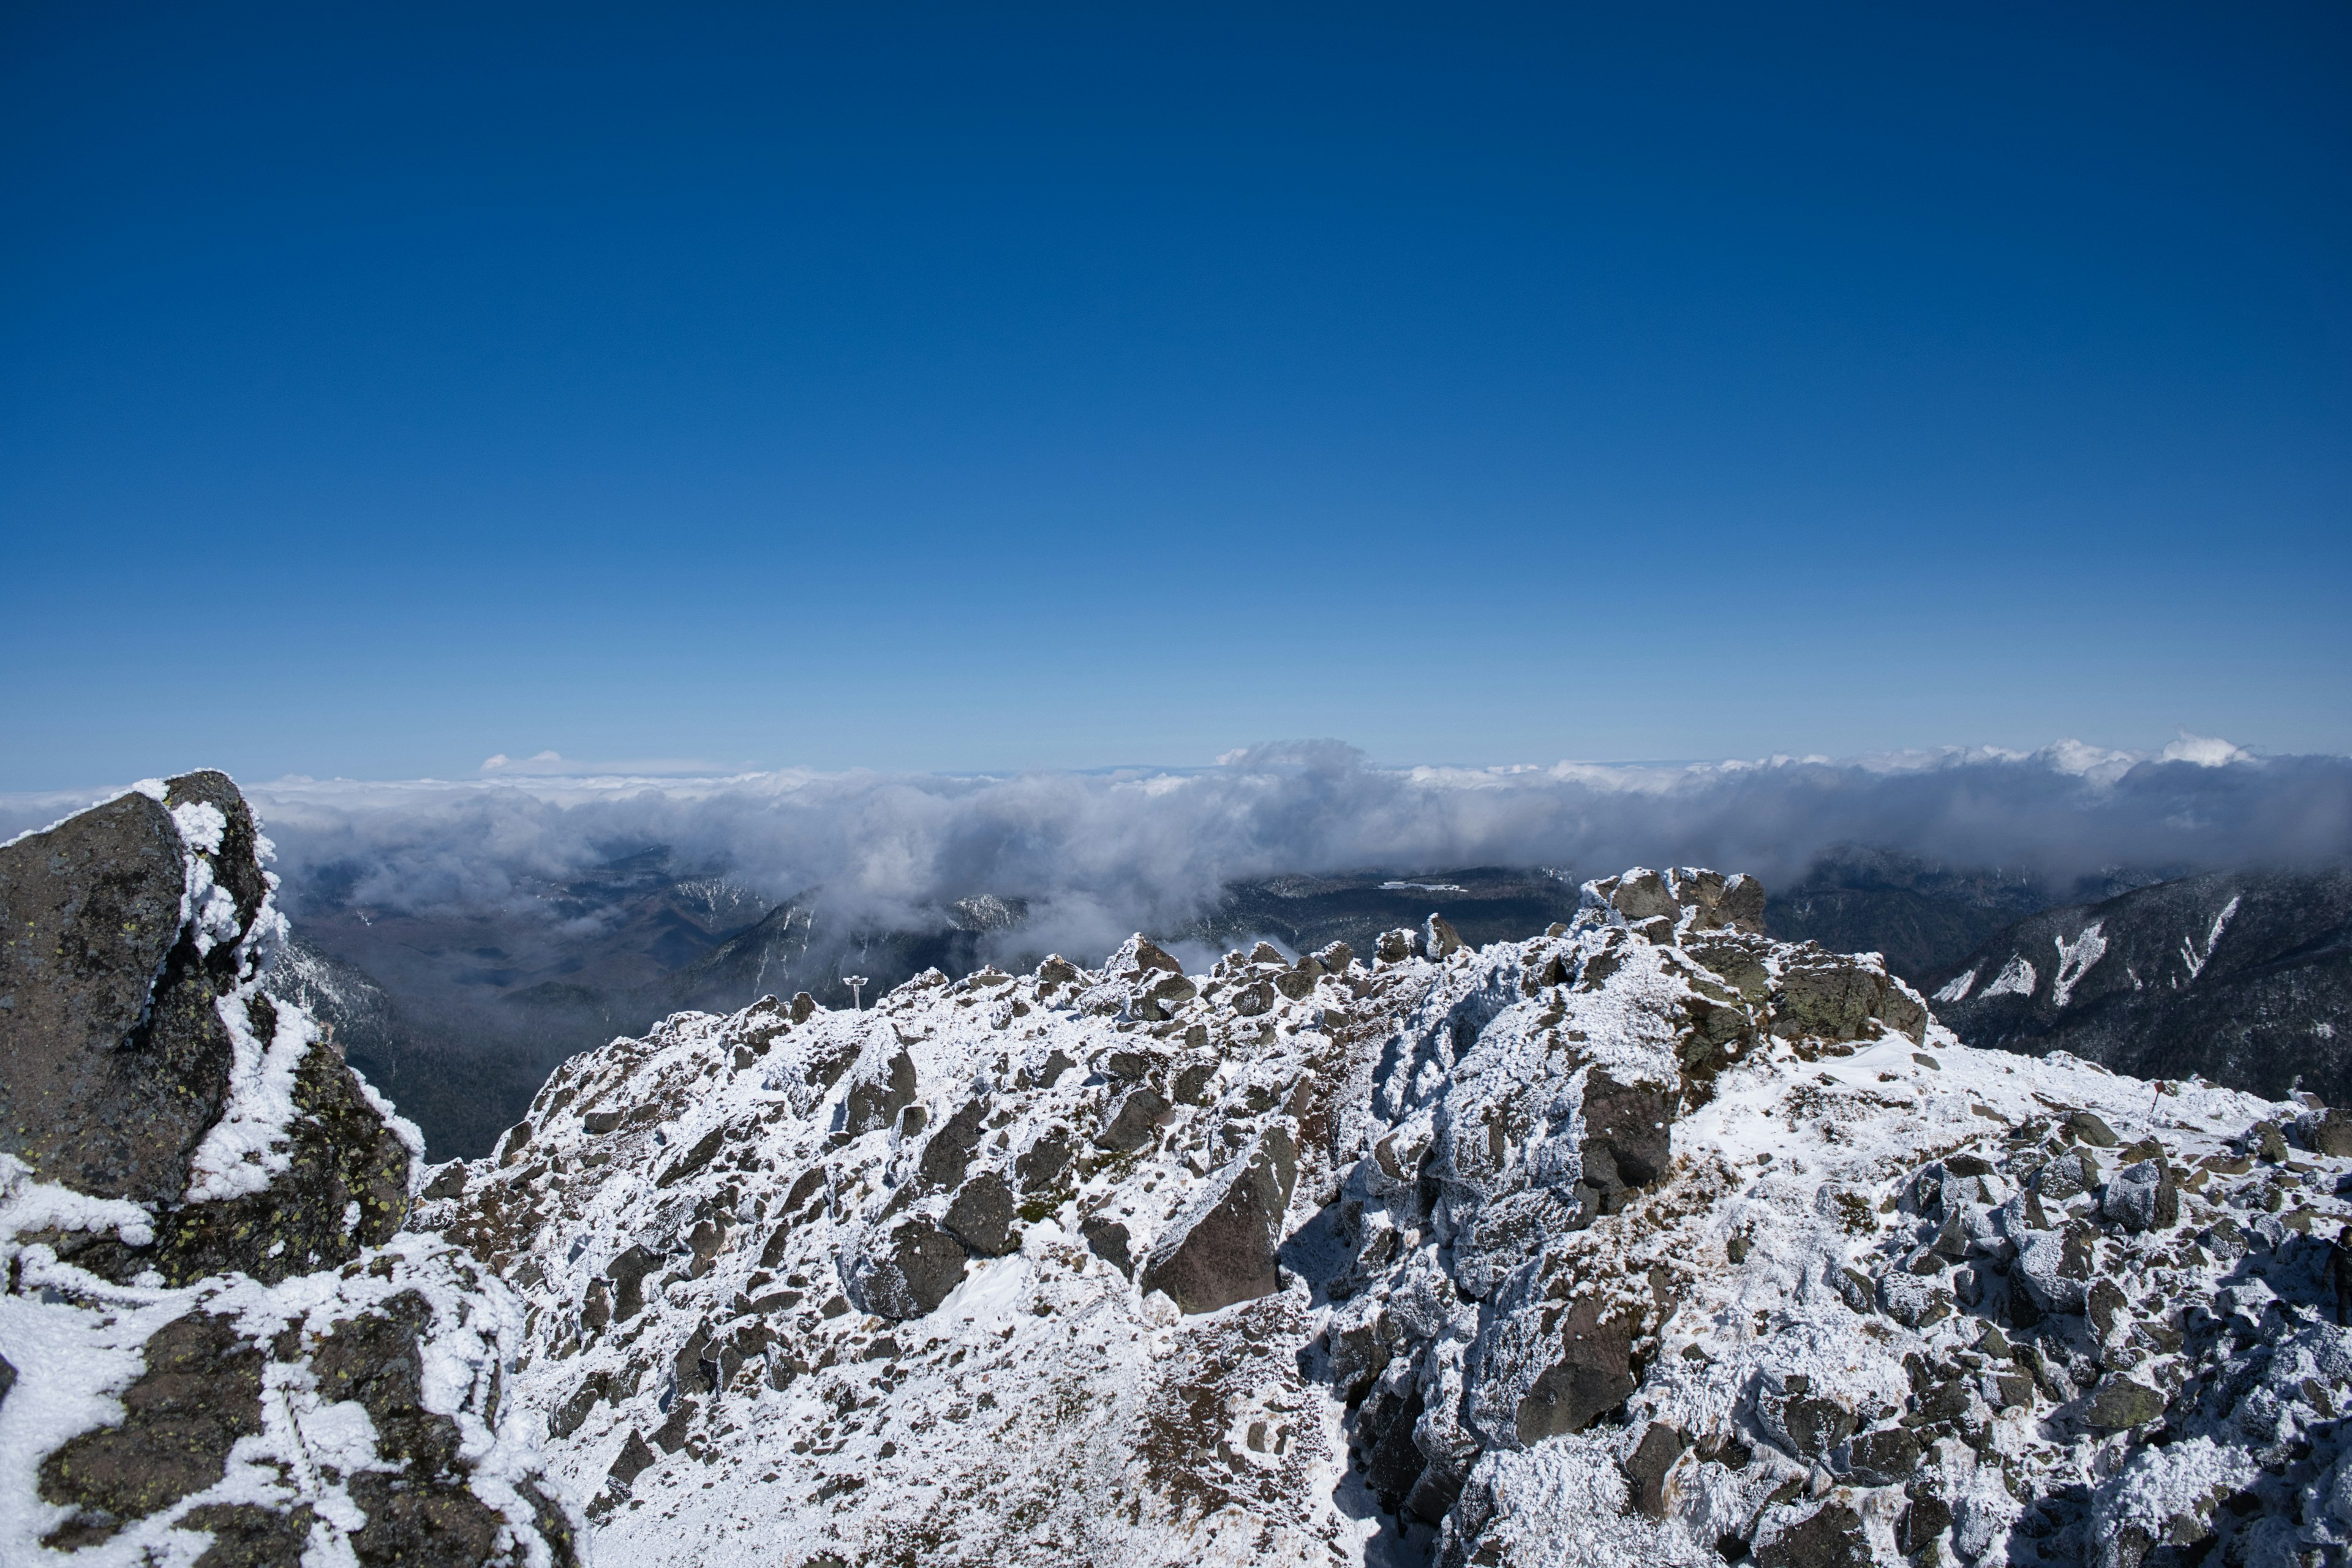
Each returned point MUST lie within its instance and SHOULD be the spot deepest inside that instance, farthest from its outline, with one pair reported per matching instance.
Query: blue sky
(381, 388)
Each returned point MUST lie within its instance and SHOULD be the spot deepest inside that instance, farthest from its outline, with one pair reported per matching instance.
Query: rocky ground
(1647, 1240)
(218, 1345)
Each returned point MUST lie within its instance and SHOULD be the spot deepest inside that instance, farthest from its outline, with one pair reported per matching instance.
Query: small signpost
(856, 984)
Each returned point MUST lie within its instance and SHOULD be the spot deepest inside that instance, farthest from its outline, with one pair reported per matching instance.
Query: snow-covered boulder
(213, 1343)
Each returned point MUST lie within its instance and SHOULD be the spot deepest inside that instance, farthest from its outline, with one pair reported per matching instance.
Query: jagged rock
(1883, 1457)
(1627, 1143)
(1533, 1202)
(1438, 939)
(1835, 997)
(1592, 1375)
(2093, 1130)
(1646, 1467)
(635, 1459)
(876, 1098)
(1107, 1240)
(949, 1153)
(981, 1216)
(200, 1392)
(2120, 1405)
(1830, 1537)
(1221, 1248)
(1131, 1126)
(117, 1062)
(909, 1269)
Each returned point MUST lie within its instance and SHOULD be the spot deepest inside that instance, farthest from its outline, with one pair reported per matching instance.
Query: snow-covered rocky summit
(1648, 1240)
(217, 1346)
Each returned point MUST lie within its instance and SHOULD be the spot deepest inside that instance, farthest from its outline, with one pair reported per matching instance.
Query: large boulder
(173, 1127)
(1221, 1248)
(146, 1060)
(113, 1060)
(905, 1269)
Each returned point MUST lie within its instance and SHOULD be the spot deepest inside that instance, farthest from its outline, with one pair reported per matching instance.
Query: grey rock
(1882, 1457)
(1835, 997)
(98, 1090)
(200, 1391)
(2142, 1197)
(876, 1098)
(950, 1151)
(1592, 1375)
(982, 1215)
(2120, 1405)
(1040, 1166)
(1131, 1126)
(907, 1271)
(1440, 938)
(1628, 1136)
(1107, 1240)
(1642, 895)
(1646, 1467)
(2092, 1130)
(1831, 1537)
(1221, 1251)
(634, 1459)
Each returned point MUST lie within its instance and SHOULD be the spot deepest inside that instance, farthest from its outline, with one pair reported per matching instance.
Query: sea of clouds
(1097, 855)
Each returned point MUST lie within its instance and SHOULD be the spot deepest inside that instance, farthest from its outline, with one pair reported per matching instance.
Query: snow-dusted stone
(905, 1269)
(1221, 1248)
(112, 1063)
(1869, 1284)
(252, 1367)
(2141, 1197)
(252, 1143)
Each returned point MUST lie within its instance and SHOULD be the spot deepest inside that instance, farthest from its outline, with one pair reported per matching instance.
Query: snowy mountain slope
(1648, 1240)
(2243, 976)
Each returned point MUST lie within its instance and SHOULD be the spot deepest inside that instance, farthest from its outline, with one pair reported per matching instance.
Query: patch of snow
(2074, 961)
(1957, 990)
(2016, 979)
(2196, 961)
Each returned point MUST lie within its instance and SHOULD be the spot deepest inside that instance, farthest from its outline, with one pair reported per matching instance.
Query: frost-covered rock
(217, 1349)
(1649, 1240)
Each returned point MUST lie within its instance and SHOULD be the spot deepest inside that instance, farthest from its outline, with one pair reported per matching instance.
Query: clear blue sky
(974, 387)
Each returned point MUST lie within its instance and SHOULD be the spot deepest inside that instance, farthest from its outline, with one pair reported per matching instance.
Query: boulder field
(1646, 1240)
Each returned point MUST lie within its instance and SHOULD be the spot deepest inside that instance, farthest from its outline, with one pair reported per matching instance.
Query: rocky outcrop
(1650, 1239)
(199, 1209)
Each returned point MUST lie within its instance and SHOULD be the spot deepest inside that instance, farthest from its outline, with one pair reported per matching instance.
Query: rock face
(115, 1064)
(199, 1204)
(1650, 1240)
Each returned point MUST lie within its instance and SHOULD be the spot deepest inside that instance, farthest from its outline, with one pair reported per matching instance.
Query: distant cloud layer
(1100, 854)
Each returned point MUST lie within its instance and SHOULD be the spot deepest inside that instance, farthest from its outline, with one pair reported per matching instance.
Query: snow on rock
(215, 1346)
(1650, 1239)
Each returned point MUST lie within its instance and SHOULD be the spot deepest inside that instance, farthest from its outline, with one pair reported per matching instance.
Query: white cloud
(1097, 855)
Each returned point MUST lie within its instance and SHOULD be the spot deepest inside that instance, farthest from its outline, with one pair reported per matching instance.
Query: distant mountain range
(460, 1016)
(2243, 977)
